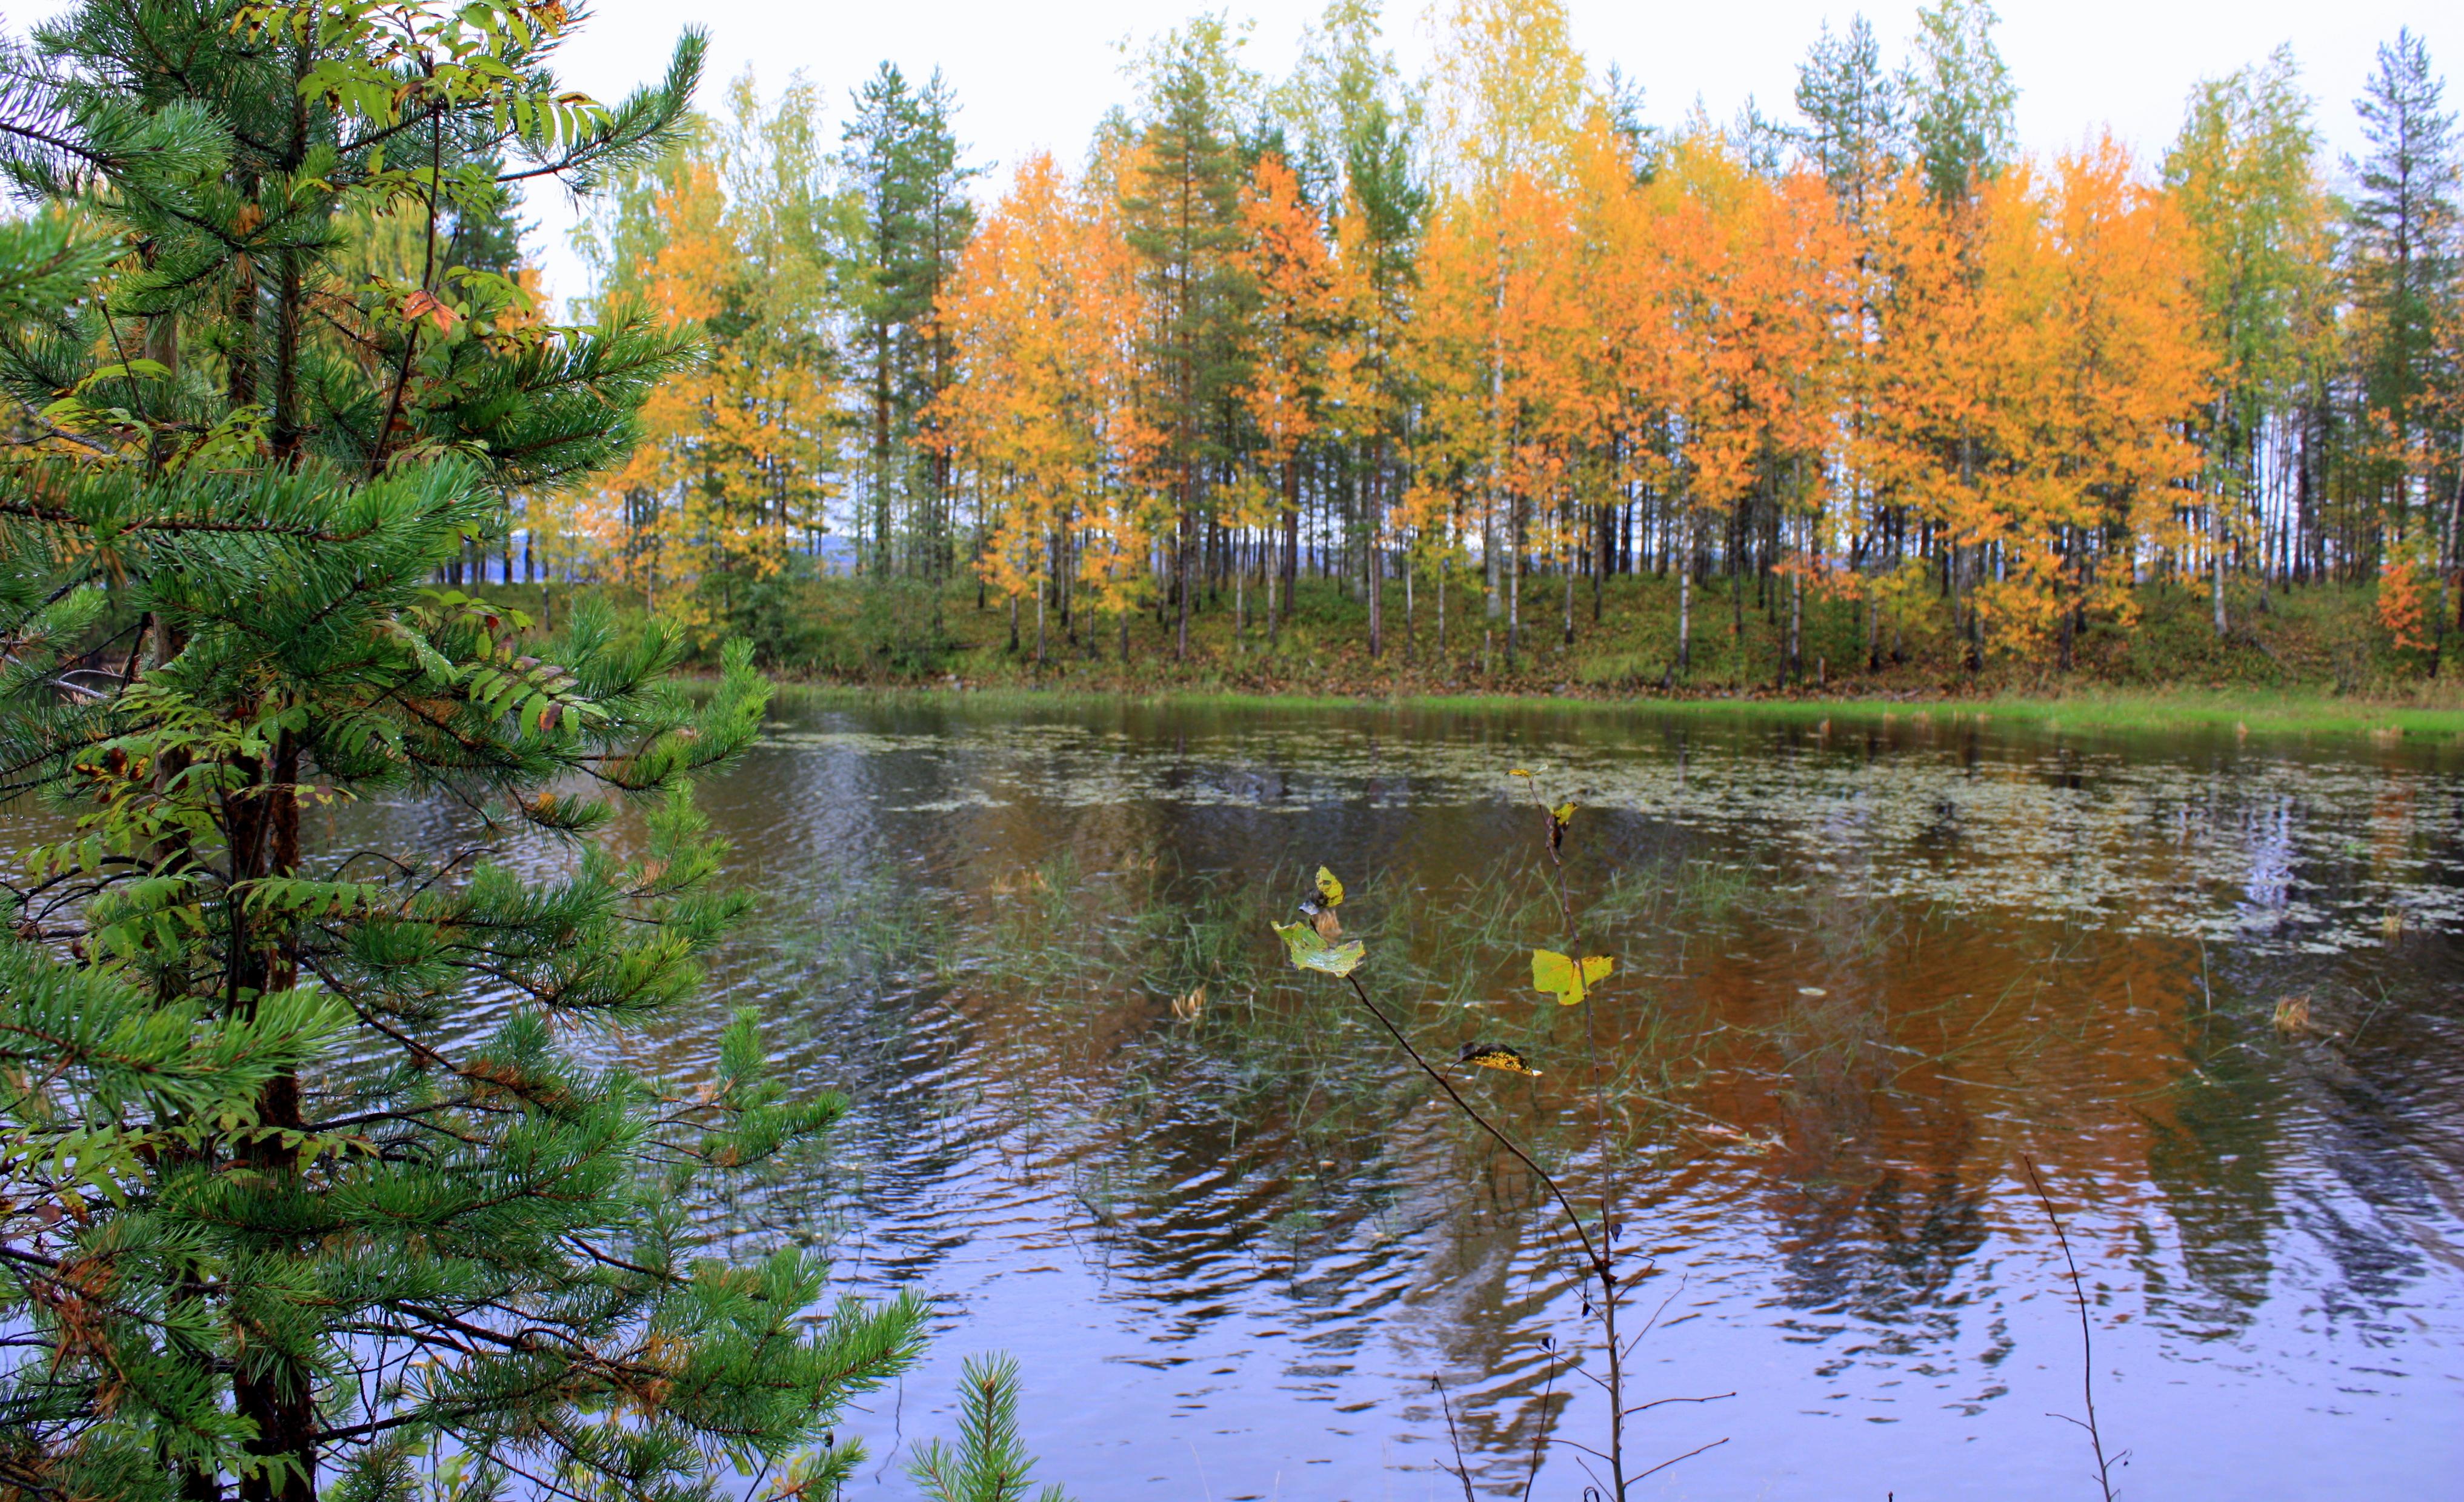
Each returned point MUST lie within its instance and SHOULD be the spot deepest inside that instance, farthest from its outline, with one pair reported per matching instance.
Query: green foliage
(2405, 254)
(989, 1463)
(1961, 97)
(903, 156)
(1853, 113)
(324, 1163)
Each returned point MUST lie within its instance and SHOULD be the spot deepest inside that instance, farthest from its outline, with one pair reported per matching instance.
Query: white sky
(1039, 76)
(1031, 76)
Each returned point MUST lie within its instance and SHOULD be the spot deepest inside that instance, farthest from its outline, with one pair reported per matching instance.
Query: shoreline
(2237, 712)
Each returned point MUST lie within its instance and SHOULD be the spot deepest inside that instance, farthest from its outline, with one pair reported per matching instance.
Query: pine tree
(324, 1172)
(1183, 202)
(1853, 113)
(910, 179)
(2404, 265)
(1960, 97)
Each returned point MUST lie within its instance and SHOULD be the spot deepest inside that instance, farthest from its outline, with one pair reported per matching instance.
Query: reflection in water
(1865, 966)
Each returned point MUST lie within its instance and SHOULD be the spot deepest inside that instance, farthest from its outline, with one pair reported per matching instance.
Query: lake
(1868, 968)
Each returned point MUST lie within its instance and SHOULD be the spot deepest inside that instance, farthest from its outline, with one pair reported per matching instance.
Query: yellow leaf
(1328, 889)
(1561, 978)
(1311, 951)
(1496, 1056)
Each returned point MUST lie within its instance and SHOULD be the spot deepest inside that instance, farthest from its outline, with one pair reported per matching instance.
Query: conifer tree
(1959, 96)
(1183, 202)
(323, 1170)
(906, 164)
(2404, 260)
(1853, 113)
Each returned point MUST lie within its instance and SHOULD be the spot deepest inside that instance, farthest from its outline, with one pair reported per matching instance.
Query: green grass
(2308, 660)
(2154, 711)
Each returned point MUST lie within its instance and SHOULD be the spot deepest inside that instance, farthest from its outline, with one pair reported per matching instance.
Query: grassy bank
(2305, 660)
(2243, 713)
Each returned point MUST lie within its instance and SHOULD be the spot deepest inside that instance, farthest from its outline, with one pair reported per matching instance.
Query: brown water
(1865, 967)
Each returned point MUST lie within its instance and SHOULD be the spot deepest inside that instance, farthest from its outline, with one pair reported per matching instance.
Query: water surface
(1868, 969)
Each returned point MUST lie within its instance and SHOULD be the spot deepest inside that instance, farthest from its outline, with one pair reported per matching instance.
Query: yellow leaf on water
(1562, 977)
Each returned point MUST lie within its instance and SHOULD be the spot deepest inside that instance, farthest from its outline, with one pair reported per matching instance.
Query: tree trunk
(265, 844)
(1685, 597)
(2216, 563)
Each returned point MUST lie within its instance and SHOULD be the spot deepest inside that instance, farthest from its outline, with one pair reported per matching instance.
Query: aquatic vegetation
(1594, 1227)
(1096, 1085)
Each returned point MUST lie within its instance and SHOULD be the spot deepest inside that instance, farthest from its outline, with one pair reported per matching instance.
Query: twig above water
(2087, 1338)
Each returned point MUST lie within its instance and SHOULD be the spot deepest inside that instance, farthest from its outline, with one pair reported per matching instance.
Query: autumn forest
(1490, 357)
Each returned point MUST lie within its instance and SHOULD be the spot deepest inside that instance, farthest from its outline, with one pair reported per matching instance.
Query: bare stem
(1573, 1219)
(2087, 1336)
(1462, 1473)
(1553, 838)
(1540, 1429)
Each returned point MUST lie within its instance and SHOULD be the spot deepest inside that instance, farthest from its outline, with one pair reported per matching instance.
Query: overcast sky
(1039, 76)
(1030, 77)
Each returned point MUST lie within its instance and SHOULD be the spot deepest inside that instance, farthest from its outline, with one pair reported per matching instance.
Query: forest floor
(2306, 659)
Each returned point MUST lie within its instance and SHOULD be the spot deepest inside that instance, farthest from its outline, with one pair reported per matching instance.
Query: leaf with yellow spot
(1496, 1056)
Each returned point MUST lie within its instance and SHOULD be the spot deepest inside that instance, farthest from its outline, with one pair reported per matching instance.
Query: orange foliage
(1042, 417)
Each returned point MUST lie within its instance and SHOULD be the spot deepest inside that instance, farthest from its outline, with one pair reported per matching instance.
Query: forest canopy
(1495, 331)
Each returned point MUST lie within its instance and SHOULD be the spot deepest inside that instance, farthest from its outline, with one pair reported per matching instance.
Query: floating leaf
(1330, 890)
(1561, 978)
(1310, 950)
(1496, 1056)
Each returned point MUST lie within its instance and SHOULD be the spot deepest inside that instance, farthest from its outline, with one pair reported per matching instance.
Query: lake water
(1867, 968)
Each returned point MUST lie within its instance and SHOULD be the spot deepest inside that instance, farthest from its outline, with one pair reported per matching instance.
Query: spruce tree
(324, 1172)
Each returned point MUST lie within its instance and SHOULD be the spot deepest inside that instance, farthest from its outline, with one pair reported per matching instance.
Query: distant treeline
(1490, 334)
